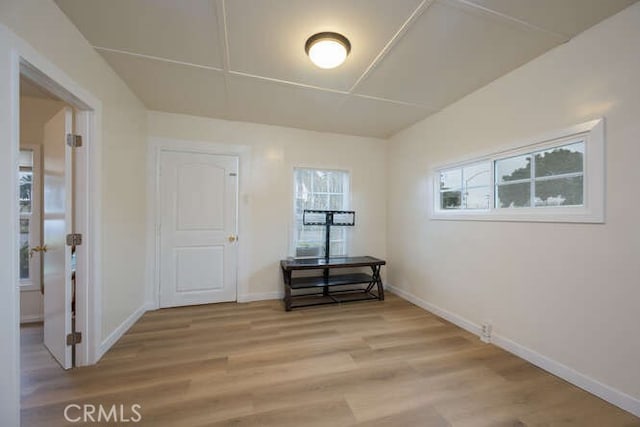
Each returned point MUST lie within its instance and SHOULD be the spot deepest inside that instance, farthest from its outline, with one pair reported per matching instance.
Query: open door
(57, 223)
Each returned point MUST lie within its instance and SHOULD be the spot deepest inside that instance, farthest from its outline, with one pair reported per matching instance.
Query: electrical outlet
(485, 334)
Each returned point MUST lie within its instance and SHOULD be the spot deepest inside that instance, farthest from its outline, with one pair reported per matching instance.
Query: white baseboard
(121, 330)
(603, 391)
(440, 312)
(260, 297)
(31, 318)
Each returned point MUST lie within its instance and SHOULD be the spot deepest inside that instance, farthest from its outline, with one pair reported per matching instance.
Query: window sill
(553, 214)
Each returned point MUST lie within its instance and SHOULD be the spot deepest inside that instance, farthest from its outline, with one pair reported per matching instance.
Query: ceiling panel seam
(221, 11)
(394, 101)
(226, 60)
(158, 58)
(287, 82)
(264, 78)
(422, 7)
(504, 16)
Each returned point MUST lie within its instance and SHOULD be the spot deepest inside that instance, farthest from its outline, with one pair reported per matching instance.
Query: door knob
(233, 238)
(37, 249)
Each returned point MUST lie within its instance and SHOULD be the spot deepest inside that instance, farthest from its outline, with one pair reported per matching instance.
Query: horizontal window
(559, 179)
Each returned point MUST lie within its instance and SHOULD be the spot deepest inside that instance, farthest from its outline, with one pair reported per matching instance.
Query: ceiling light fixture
(327, 50)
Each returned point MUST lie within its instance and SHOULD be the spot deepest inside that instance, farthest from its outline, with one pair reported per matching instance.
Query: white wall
(266, 199)
(34, 113)
(40, 26)
(569, 292)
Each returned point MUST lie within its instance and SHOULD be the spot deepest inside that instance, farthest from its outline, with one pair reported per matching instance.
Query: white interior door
(198, 226)
(57, 223)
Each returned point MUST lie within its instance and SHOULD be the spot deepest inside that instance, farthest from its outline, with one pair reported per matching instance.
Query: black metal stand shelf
(337, 280)
(372, 290)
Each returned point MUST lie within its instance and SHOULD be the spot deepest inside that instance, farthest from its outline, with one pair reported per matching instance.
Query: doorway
(48, 230)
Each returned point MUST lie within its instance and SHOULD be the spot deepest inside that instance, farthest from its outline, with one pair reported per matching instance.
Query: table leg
(378, 280)
(325, 289)
(287, 289)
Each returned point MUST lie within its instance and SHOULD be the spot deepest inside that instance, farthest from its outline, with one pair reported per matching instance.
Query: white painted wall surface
(569, 292)
(34, 113)
(266, 189)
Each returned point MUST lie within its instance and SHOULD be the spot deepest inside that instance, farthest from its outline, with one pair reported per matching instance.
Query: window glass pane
(336, 202)
(451, 199)
(24, 248)
(336, 247)
(451, 180)
(513, 195)
(321, 181)
(319, 201)
(26, 187)
(559, 192)
(513, 169)
(560, 160)
(477, 198)
(477, 175)
(336, 182)
(302, 184)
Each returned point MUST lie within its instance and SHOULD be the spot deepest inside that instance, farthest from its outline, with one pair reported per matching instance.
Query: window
(552, 177)
(467, 187)
(322, 190)
(560, 179)
(28, 203)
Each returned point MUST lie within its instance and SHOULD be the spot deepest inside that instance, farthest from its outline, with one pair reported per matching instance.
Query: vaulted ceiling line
(395, 101)
(507, 17)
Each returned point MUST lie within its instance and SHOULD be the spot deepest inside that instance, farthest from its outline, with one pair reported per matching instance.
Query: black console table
(352, 286)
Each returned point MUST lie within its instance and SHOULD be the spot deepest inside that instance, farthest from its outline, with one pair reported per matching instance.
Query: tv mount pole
(328, 218)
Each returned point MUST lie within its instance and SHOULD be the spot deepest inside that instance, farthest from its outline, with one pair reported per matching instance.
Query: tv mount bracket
(328, 218)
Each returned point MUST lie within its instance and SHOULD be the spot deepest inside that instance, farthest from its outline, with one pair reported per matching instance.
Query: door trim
(87, 123)
(155, 148)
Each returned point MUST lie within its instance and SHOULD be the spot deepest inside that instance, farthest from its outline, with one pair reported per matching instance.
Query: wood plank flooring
(368, 364)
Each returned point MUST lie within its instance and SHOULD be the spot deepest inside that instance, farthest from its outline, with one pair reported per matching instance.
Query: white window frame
(592, 210)
(346, 190)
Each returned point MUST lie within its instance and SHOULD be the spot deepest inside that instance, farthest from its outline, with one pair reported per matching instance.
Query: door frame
(87, 122)
(155, 148)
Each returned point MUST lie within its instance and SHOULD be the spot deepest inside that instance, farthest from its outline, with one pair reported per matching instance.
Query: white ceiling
(245, 60)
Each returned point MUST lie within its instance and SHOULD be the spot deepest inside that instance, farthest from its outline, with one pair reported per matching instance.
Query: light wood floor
(371, 364)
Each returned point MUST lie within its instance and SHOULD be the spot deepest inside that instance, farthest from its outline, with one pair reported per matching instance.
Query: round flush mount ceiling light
(327, 50)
